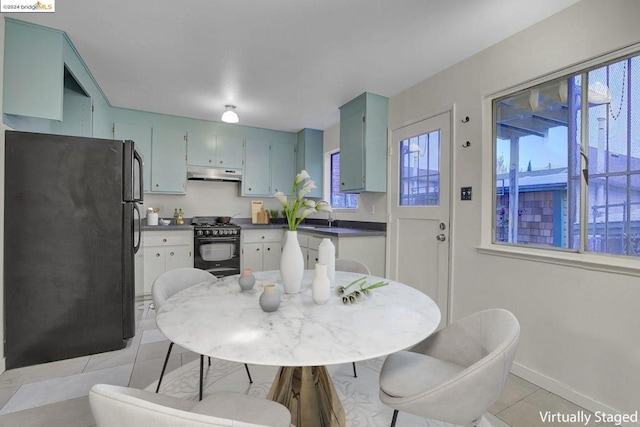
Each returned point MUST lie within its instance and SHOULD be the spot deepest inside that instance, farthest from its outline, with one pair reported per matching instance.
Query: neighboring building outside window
(543, 157)
(340, 200)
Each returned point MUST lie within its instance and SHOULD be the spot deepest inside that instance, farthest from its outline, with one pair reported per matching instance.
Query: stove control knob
(207, 232)
(235, 231)
(199, 233)
(214, 232)
(224, 232)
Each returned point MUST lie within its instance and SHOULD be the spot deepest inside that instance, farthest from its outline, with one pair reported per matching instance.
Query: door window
(420, 170)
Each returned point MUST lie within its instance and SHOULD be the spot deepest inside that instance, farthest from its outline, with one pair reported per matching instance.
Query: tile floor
(55, 394)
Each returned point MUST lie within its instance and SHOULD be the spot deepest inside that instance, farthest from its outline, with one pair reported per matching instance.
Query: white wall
(580, 327)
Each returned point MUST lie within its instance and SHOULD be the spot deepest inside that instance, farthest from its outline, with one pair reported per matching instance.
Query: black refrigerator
(71, 229)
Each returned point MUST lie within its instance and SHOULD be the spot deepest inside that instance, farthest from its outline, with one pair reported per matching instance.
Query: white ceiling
(285, 64)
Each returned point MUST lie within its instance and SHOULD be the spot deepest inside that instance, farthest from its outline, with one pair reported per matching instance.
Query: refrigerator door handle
(138, 156)
(136, 247)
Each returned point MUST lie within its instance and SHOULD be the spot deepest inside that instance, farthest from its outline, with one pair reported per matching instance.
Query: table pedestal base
(309, 394)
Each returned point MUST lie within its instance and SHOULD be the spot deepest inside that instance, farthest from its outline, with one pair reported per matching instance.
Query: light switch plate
(465, 193)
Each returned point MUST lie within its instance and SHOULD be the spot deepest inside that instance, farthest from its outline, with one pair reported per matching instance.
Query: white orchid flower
(305, 213)
(306, 188)
(300, 177)
(282, 198)
(323, 206)
(310, 204)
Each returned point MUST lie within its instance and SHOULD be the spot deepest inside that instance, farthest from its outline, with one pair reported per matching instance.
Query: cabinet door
(229, 152)
(252, 256)
(168, 164)
(313, 259)
(283, 163)
(271, 256)
(352, 151)
(257, 169)
(154, 265)
(201, 149)
(141, 135)
(33, 71)
(178, 257)
(309, 156)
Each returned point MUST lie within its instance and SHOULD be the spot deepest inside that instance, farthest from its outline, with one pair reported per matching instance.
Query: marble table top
(217, 319)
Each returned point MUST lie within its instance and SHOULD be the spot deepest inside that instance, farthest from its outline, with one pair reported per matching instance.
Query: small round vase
(270, 298)
(247, 280)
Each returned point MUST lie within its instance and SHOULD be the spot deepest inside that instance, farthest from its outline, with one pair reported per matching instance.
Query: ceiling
(285, 64)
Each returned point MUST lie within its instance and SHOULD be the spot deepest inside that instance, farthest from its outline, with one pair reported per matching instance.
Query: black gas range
(216, 246)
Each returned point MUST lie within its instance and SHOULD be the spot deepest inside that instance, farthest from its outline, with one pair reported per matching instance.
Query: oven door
(220, 256)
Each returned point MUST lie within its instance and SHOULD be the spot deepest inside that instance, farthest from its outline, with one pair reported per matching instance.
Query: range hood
(213, 174)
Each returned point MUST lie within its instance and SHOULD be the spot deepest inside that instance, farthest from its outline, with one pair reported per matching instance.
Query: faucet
(330, 218)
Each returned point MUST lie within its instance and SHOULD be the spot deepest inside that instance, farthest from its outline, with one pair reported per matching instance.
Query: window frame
(596, 261)
(327, 182)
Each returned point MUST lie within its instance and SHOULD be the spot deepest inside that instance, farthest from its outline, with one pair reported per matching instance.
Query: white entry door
(418, 194)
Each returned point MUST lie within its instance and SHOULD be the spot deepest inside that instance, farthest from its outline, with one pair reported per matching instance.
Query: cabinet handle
(171, 253)
(262, 237)
(220, 161)
(342, 184)
(268, 249)
(249, 188)
(210, 160)
(164, 240)
(157, 255)
(257, 249)
(157, 185)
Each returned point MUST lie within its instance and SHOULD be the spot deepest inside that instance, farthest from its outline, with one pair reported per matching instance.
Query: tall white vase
(327, 256)
(291, 263)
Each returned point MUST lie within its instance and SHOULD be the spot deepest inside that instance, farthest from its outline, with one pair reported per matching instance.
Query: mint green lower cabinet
(283, 160)
(257, 169)
(141, 135)
(168, 161)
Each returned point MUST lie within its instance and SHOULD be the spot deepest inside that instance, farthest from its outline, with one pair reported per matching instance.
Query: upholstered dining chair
(456, 374)
(353, 266)
(116, 406)
(170, 283)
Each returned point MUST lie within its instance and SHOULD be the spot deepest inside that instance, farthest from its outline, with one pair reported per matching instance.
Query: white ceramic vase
(320, 287)
(291, 263)
(327, 256)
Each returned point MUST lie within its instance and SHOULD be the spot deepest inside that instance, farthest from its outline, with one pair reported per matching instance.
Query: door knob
(441, 237)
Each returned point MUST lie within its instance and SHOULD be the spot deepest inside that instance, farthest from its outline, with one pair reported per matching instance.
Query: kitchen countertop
(336, 231)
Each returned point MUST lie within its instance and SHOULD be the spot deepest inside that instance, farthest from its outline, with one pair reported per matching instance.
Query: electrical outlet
(465, 193)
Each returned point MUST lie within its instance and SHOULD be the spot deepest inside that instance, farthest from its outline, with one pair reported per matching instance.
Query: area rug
(359, 396)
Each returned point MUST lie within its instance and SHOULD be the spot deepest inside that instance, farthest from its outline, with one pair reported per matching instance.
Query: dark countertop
(352, 230)
(336, 231)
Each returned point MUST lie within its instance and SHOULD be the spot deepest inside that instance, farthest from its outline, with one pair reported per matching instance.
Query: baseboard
(3, 365)
(564, 391)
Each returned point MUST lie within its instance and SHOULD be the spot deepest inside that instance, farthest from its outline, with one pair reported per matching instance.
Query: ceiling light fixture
(230, 115)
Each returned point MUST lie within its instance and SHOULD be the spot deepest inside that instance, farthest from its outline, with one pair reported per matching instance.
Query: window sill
(588, 261)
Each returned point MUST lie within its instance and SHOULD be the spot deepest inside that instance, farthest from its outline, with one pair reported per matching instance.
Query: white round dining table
(217, 319)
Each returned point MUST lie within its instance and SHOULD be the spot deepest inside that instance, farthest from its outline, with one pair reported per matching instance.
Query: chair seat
(406, 373)
(241, 407)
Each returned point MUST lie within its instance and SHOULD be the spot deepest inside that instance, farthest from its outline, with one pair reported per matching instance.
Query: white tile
(68, 387)
(152, 335)
(44, 371)
(70, 413)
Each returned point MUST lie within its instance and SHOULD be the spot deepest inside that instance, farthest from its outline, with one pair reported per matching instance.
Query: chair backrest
(173, 281)
(351, 265)
(115, 406)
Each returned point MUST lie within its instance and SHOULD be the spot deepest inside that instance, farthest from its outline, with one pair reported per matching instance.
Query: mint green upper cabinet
(229, 151)
(168, 161)
(283, 161)
(363, 144)
(141, 135)
(207, 149)
(201, 149)
(33, 71)
(257, 169)
(310, 156)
